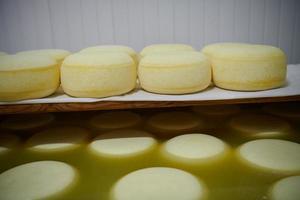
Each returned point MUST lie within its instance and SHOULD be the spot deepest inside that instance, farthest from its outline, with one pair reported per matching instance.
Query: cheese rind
(286, 189)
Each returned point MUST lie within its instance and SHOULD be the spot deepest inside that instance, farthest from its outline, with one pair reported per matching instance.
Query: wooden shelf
(111, 105)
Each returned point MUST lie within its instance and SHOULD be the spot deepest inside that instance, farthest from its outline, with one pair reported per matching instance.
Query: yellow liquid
(228, 180)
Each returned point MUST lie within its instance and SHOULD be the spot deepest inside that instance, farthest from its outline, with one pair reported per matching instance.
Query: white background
(74, 24)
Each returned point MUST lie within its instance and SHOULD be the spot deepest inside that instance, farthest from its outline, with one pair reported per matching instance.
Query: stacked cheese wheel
(108, 70)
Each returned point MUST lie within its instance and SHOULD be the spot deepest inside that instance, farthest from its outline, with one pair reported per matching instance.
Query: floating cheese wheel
(37, 180)
(159, 183)
(286, 189)
(194, 149)
(217, 110)
(23, 122)
(288, 110)
(272, 155)
(8, 142)
(112, 48)
(173, 123)
(27, 77)
(247, 67)
(174, 73)
(57, 54)
(123, 143)
(58, 139)
(115, 120)
(165, 48)
(93, 75)
(260, 126)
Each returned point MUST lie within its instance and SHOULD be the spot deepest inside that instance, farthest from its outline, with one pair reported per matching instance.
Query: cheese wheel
(159, 183)
(286, 189)
(58, 139)
(122, 144)
(259, 126)
(112, 48)
(173, 123)
(195, 149)
(37, 180)
(115, 120)
(174, 73)
(290, 110)
(57, 54)
(247, 67)
(93, 75)
(165, 48)
(217, 110)
(27, 77)
(8, 142)
(22, 122)
(271, 155)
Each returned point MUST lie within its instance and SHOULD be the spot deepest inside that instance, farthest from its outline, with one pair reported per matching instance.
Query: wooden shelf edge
(112, 105)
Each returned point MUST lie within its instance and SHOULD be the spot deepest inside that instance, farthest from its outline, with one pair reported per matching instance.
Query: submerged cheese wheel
(112, 48)
(159, 183)
(93, 75)
(27, 77)
(8, 142)
(115, 120)
(57, 54)
(174, 122)
(290, 110)
(259, 126)
(272, 155)
(27, 121)
(286, 189)
(195, 149)
(37, 180)
(165, 48)
(174, 73)
(123, 143)
(58, 139)
(247, 67)
(217, 110)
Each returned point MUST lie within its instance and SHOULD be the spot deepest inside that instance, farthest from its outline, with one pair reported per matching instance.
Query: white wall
(74, 24)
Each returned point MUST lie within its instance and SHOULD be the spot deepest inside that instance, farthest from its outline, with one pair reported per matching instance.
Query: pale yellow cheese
(57, 54)
(174, 73)
(271, 155)
(27, 77)
(93, 75)
(286, 189)
(247, 67)
(112, 48)
(114, 120)
(37, 180)
(165, 48)
(159, 183)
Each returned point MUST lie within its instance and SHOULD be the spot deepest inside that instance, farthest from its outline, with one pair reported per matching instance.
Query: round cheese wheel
(98, 75)
(27, 77)
(165, 48)
(57, 54)
(8, 142)
(247, 67)
(173, 122)
(22, 122)
(271, 155)
(174, 73)
(112, 48)
(37, 180)
(159, 183)
(195, 149)
(259, 126)
(286, 189)
(58, 139)
(122, 143)
(115, 120)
